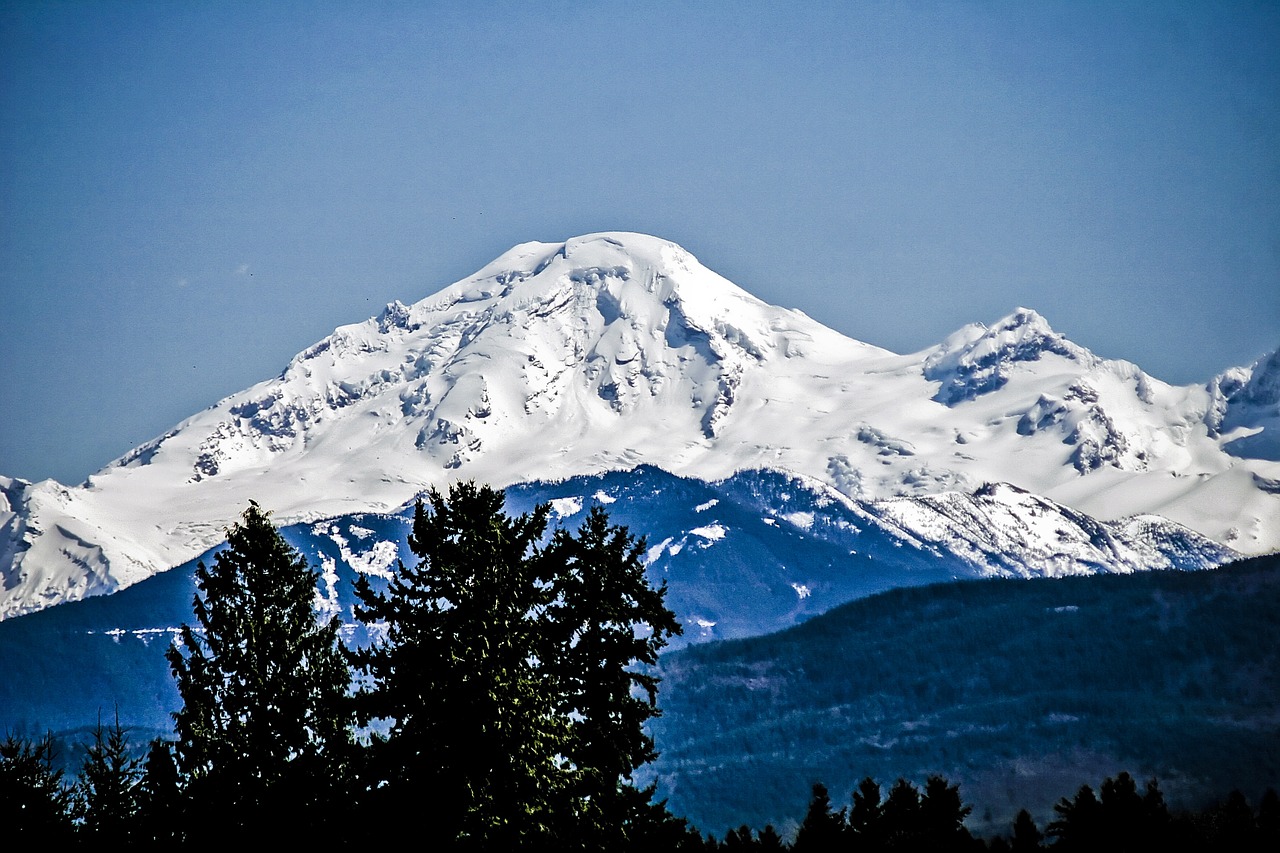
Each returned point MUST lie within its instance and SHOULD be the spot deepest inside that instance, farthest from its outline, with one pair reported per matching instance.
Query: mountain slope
(613, 350)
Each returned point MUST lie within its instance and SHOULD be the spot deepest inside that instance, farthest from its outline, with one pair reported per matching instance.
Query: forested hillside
(1019, 691)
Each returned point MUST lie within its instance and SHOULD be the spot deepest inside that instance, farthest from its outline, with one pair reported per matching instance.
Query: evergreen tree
(942, 814)
(265, 729)
(1079, 825)
(739, 840)
(472, 740)
(866, 825)
(901, 816)
(1231, 824)
(514, 680)
(1027, 837)
(161, 810)
(604, 629)
(823, 829)
(109, 786)
(35, 806)
(769, 840)
(1123, 811)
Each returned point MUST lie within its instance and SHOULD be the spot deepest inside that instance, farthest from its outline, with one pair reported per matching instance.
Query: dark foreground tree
(265, 728)
(504, 683)
(162, 812)
(605, 627)
(822, 829)
(35, 806)
(110, 785)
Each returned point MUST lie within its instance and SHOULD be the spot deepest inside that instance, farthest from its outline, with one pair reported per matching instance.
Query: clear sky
(190, 193)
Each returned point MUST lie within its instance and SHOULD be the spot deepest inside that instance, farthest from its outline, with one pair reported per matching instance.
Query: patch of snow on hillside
(706, 506)
(801, 590)
(376, 561)
(326, 598)
(655, 553)
(565, 507)
(603, 497)
(802, 520)
(712, 532)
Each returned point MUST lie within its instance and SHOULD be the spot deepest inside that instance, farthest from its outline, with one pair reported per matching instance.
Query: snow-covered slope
(616, 349)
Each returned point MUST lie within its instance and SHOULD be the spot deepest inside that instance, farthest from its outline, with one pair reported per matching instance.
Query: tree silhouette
(942, 815)
(512, 680)
(109, 786)
(35, 806)
(822, 829)
(1027, 837)
(162, 812)
(603, 629)
(263, 686)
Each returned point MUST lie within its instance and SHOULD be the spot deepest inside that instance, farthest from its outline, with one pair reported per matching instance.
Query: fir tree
(1079, 825)
(822, 829)
(513, 680)
(472, 736)
(265, 728)
(942, 816)
(604, 630)
(901, 816)
(1027, 837)
(35, 806)
(866, 826)
(109, 786)
(161, 809)
(769, 840)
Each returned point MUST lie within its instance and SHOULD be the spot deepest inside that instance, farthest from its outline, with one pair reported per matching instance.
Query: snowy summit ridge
(616, 349)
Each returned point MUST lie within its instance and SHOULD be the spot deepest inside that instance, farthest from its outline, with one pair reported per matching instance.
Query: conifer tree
(822, 829)
(1027, 837)
(769, 840)
(604, 628)
(1079, 825)
(265, 725)
(901, 816)
(472, 736)
(161, 809)
(866, 825)
(109, 786)
(35, 806)
(942, 815)
(512, 680)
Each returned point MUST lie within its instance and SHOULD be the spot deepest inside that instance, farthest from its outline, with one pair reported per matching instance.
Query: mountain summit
(615, 349)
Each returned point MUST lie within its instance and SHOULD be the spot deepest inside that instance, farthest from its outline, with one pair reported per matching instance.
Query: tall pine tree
(265, 726)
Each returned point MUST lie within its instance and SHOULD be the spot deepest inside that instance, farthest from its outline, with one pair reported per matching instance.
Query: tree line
(500, 706)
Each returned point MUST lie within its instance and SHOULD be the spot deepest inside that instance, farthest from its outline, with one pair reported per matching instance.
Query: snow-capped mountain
(612, 350)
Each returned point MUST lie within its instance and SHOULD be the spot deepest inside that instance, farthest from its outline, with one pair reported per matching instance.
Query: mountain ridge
(613, 349)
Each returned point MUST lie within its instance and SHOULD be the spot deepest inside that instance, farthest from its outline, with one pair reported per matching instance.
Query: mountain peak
(979, 359)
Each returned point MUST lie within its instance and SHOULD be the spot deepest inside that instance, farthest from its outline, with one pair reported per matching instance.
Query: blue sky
(190, 193)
